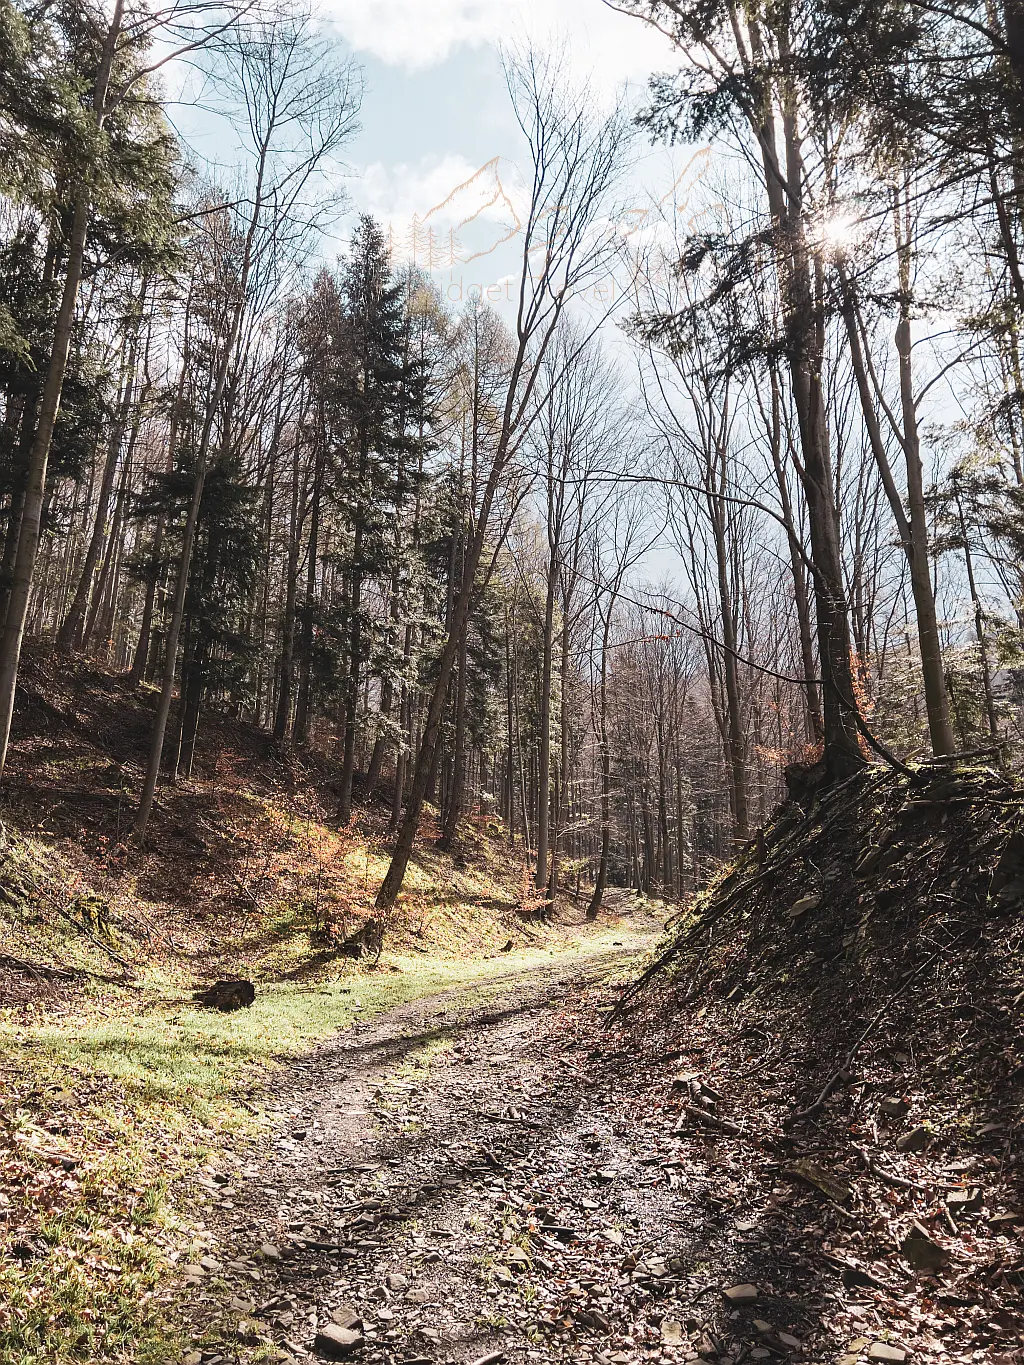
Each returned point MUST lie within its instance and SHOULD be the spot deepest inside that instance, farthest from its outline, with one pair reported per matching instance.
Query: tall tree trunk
(799, 277)
(812, 699)
(405, 721)
(733, 708)
(606, 769)
(428, 748)
(105, 599)
(68, 637)
(979, 619)
(287, 661)
(141, 660)
(303, 704)
(457, 792)
(561, 801)
(544, 750)
(49, 406)
(936, 701)
(353, 679)
(387, 689)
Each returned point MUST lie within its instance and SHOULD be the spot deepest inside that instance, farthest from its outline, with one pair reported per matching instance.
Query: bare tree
(299, 110)
(575, 164)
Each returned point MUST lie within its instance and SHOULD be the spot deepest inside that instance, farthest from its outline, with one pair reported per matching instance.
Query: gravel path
(455, 1182)
(429, 1174)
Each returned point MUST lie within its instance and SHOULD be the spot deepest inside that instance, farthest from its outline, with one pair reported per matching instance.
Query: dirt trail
(421, 1144)
(514, 1174)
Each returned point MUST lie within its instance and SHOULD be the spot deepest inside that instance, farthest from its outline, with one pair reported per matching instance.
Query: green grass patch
(194, 1056)
(137, 1091)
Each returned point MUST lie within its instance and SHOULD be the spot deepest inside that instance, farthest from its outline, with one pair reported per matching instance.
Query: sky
(438, 157)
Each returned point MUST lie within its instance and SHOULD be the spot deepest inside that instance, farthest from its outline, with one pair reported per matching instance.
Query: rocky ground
(531, 1180)
(441, 1183)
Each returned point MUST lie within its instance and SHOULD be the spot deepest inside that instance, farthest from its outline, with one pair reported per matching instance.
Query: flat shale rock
(337, 1343)
(671, 1331)
(921, 1250)
(968, 1200)
(894, 1107)
(914, 1141)
(1006, 1220)
(348, 1317)
(801, 906)
(741, 1293)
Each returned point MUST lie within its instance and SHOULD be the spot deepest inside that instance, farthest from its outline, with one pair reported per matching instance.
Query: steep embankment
(841, 1015)
(114, 1084)
(245, 869)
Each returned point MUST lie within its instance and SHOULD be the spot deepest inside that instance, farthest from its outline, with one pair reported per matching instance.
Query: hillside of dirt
(837, 1030)
(245, 870)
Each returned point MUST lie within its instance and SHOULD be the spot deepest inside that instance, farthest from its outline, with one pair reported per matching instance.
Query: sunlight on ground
(137, 1092)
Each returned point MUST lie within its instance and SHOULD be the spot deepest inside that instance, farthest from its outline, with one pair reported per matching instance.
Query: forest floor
(123, 1120)
(799, 1138)
(115, 1087)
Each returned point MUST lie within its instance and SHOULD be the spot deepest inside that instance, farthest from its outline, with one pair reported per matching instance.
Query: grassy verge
(111, 1099)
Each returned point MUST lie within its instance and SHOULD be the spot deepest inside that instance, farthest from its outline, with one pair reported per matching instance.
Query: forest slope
(115, 1085)
(245, 870)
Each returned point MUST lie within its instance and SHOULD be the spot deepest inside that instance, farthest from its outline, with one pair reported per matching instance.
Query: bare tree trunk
(428, 749)
(291, 579)
(303, 705)
(188, 538)
(734, 716)
(544, 751)
(936, 701)
(561, 801)
(800, 287)
(803, 609)
(606, 768)
(104, 600)
(141, 659)
(456, 794)
(68, 637)
(354, 673)
(979, 618)
(387, 701)
(405, 720)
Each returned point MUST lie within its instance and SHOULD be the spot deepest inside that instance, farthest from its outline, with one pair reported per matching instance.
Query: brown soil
(562, 1182)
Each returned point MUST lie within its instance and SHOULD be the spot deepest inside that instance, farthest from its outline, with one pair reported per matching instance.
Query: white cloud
(417, 34)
